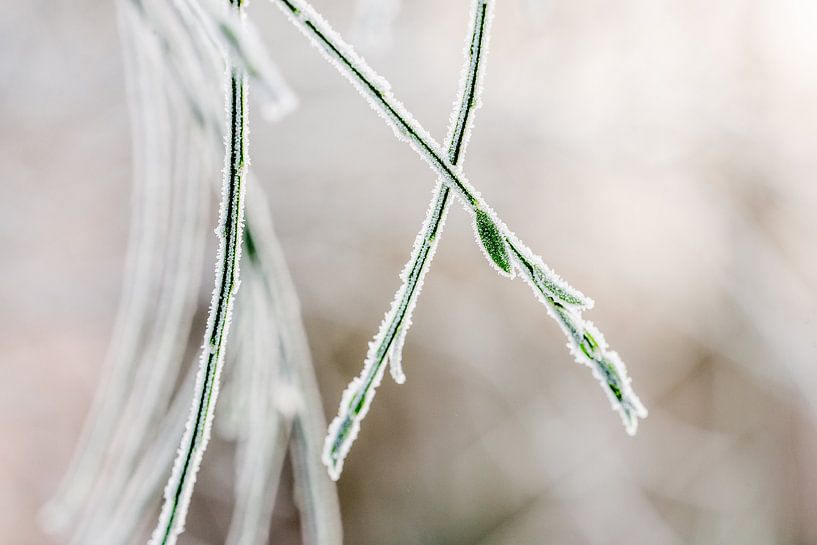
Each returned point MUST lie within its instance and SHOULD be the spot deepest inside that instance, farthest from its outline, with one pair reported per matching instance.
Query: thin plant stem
(231, 225)
(387, 343)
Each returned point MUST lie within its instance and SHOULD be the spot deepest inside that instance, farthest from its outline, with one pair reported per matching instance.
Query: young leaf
(492, 241)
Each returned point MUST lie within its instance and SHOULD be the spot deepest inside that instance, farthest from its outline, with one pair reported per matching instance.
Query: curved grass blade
(135, 307)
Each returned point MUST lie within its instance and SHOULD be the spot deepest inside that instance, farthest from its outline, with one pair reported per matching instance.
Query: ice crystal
(387, 345)
(174, 55)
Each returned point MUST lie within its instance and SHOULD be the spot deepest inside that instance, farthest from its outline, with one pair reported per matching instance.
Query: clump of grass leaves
(176, 52)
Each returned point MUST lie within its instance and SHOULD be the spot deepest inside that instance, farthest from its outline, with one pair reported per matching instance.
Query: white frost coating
(387, 344)
(231, 224)
(542, 279)
(161, 352)
(345, 427)
(588, 346)
(413, 278)
(395, 355)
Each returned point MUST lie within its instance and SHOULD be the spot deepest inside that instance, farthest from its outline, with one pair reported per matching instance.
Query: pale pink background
(659, 154)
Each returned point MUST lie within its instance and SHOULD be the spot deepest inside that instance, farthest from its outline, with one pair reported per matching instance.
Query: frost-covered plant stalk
(507, 254)
(230, 233)
(387, 345)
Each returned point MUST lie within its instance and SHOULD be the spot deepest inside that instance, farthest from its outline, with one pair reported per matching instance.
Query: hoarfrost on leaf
(493, 244)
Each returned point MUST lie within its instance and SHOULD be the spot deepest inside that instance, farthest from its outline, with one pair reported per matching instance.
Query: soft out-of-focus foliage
(174, 57)
(684, 133)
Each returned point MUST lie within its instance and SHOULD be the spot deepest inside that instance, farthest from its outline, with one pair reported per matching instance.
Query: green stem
(427, 240)
(194, 442)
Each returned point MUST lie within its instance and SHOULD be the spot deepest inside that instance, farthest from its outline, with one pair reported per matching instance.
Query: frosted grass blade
(163, 351)
(230, 232)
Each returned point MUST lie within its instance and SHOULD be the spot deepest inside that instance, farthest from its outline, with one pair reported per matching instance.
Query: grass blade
(230, 232)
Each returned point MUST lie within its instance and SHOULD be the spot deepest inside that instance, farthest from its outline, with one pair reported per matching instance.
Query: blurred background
(659, 154)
